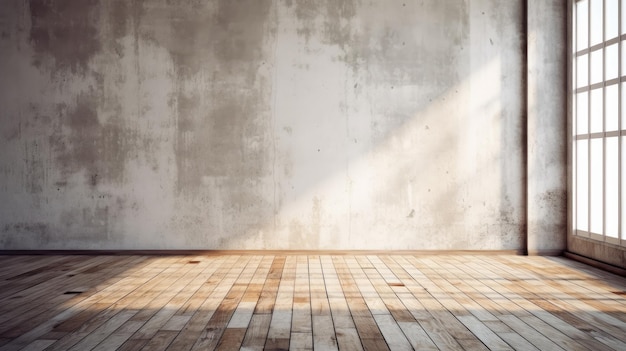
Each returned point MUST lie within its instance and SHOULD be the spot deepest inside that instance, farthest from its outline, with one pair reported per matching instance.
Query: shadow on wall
(262, 125)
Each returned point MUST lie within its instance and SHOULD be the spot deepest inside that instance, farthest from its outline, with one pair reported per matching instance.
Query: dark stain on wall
(240, 30)
(81, 143)
(337, 27)
(66, 36)
(89, 223)
(400, 57)
(119, 16)
(221, 99)
(26, 231)
(554, 203)
(65, 31)
(34, 170)
(228, 142)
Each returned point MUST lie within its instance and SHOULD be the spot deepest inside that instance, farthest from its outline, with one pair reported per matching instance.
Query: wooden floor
(321, 302)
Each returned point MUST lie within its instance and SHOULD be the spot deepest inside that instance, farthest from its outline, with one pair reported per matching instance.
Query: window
(598, 118)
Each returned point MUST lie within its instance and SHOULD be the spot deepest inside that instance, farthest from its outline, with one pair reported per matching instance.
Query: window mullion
(589, 119)
(619, 121)
(604, 165)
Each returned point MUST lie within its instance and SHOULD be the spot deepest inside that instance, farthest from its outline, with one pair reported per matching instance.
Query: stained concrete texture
(547, 132)
(262, 124)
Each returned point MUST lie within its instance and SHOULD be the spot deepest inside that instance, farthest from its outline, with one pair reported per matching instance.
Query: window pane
(611, 108)
(611, 207)
(596, 111)
(582, 111)
(582, 71)
(596, 22)
(596, 67)
(611, 18)
(623, 57)
(623, 103)
(611, 59)
(582, 20)
(582, 185)
(596, 200)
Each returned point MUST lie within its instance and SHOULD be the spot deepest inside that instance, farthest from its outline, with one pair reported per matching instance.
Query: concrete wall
(547, 126)
(262, 124)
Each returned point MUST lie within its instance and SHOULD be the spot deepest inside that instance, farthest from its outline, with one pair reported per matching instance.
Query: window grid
(597, 120)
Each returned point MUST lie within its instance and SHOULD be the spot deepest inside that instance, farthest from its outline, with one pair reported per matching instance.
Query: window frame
(591, 135)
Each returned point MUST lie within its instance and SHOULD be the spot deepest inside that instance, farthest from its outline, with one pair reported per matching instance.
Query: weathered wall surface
(262, 124)
(547, 121)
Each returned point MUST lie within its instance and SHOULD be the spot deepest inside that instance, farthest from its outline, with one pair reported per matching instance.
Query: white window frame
(596, 226)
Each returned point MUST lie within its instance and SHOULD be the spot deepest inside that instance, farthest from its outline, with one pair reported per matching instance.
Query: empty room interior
(313, 175)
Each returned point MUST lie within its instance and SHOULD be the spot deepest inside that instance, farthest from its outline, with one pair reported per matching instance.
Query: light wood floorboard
(279, 301)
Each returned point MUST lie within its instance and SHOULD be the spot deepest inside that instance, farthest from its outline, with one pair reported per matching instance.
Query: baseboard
(595, 263)
(545, 252)
(260, 252)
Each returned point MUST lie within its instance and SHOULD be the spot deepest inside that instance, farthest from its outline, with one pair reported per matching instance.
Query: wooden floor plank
(484, 334)
(110, 305)
(270, 288)
(324, 337)
(279, 332)
(215, 290)
(348, 339)
(167, 303)
(87, 301)
(99, 334)
(35, 308)
(256, 333)
(530, 311)
(301, 321)
(394, 336)
(535, 317)
(231, 339)
(309, 301)
(530, 334)
(218, 322)
(384, 284)
(345, 330)
(301, 341)
(38, 345)
(439, 303)
(530, 293)
(417, 336)
(370, 334)
(160, 341)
